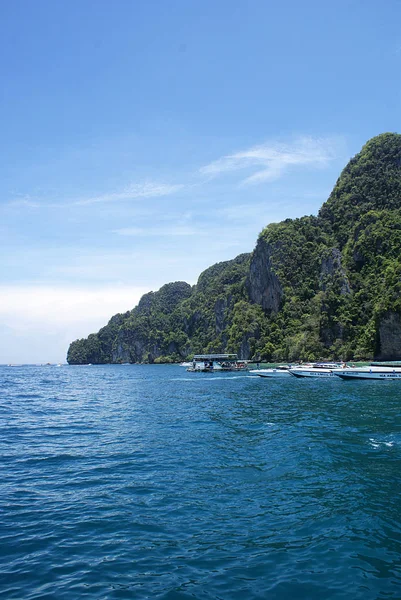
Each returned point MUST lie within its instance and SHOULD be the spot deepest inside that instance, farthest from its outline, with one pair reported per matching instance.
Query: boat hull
(316, 373)
(270, 372)
(378, 375)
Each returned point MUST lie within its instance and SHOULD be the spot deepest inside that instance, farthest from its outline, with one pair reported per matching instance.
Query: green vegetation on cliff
(326, 286)
(370, 181)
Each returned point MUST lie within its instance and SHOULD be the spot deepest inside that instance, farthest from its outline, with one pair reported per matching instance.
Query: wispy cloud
(147, 189)
(269, 161)
(262, 163)
(25, 201)
(165, 231)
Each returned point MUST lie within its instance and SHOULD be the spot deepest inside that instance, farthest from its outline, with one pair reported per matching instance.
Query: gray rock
(263, 285)
(390, 336)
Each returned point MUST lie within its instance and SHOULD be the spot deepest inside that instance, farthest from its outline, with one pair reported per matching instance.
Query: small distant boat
(280, 371)
(186, 364)
(371, 372)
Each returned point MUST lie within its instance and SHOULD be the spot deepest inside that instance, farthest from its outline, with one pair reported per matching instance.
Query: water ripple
(143, 482)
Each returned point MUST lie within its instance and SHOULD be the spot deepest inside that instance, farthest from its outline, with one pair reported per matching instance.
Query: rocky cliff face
(121, 353)
(331, 269)
(390, 337)
(263, 285)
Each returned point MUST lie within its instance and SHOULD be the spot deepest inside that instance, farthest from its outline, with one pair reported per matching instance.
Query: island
(324, 287)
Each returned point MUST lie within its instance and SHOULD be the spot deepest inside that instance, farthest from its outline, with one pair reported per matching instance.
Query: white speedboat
(281, 371)
(317, 370)
(369, 373)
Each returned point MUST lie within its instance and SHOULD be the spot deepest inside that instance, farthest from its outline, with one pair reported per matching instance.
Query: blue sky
(143, 141)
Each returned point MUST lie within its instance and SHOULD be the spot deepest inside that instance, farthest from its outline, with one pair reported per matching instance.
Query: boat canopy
(216, 357)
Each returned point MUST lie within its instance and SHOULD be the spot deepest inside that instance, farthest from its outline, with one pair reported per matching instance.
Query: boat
(370, 372)
(217, 363)
(280, 371)
(318, 370)
(186, 364)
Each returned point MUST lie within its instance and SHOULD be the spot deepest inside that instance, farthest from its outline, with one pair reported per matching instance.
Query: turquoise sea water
(150, 482)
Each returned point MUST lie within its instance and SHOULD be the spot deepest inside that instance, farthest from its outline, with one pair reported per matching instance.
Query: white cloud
(147, 189)
(26, 202)
(58, 306)
(179, 230)
(269, 161)
(39, 322)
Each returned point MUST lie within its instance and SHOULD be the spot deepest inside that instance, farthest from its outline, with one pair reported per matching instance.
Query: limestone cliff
(262, 284)
(319, 287)
(389, 337)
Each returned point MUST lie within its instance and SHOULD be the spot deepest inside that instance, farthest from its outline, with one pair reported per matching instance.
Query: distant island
(318, 287)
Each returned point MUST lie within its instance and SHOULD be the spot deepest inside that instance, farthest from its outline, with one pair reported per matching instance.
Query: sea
(145, 481)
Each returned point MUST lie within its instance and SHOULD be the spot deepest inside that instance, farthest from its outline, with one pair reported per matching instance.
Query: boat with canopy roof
(217, 363)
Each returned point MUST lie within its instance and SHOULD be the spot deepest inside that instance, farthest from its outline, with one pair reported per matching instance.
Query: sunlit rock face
(263, 285)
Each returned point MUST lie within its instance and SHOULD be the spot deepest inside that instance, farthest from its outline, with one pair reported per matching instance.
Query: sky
(143, 141)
